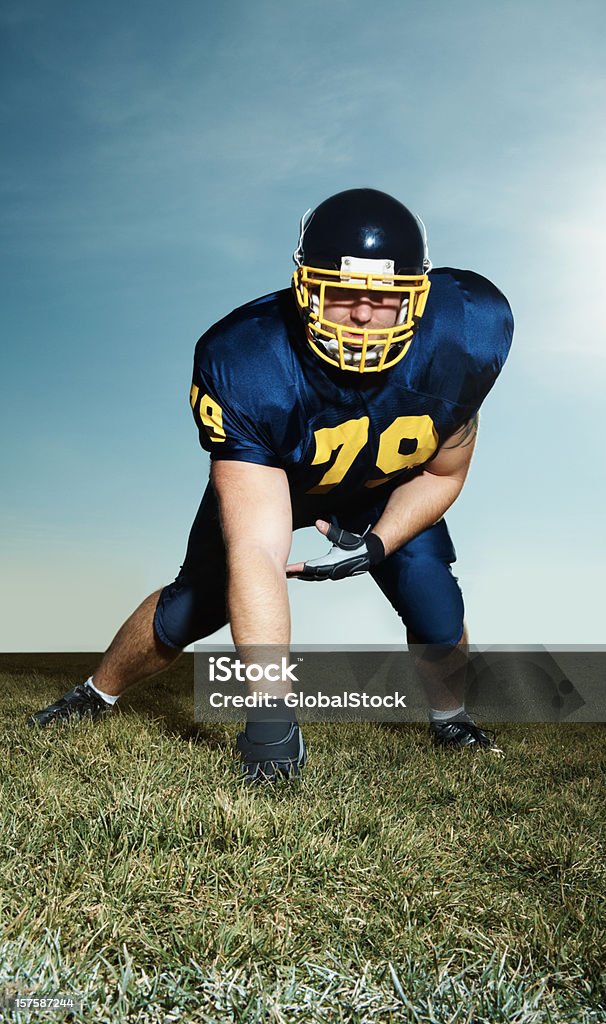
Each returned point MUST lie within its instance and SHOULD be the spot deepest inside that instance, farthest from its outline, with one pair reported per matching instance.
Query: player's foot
(269, 762)
(462, 732)
(81, 702)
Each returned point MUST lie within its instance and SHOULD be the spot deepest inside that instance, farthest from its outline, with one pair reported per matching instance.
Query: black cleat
(81, 702)
(269, 762)
(461, 733)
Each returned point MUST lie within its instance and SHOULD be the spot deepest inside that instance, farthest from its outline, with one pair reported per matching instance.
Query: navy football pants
(417, 580)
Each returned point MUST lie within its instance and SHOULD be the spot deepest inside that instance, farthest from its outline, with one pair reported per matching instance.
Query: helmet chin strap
(403, 312)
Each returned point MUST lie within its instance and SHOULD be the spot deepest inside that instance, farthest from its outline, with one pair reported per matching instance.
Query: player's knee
(431, 650)
(167, 627)
(183, 615)
(438, 639)
(434, 605)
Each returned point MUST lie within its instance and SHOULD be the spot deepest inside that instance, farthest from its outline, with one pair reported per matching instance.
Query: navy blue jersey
(260, 395)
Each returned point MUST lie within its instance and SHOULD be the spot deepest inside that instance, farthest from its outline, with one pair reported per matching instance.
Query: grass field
(394, 883)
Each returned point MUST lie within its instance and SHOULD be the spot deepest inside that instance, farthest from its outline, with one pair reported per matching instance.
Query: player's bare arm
(465, 435)
(412, 507)
(256, 517)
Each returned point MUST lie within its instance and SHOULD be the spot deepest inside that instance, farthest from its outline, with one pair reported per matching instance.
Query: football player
(349, 401)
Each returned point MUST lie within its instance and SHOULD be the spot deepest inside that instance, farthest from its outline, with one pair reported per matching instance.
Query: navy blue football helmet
(362, 240)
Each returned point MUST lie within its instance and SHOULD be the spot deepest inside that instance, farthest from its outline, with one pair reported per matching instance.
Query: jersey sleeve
(226, 431)
(492, 332)
(472, 340)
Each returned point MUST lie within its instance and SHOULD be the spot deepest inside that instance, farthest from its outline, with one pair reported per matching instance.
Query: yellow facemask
(363, 350)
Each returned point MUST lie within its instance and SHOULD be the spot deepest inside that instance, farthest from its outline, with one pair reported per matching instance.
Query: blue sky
(157, 161)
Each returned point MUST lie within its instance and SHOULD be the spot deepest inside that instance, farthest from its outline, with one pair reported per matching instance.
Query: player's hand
(350, 555)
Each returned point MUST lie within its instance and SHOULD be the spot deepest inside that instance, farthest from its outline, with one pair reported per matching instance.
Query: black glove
(350, 555)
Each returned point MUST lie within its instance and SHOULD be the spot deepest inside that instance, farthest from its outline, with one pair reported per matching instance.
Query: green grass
(394, 883)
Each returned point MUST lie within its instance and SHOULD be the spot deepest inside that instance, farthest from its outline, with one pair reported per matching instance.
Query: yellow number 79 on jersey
(349, 438)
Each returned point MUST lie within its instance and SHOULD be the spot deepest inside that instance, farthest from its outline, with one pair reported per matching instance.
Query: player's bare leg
(135, 653)
(443, 676)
